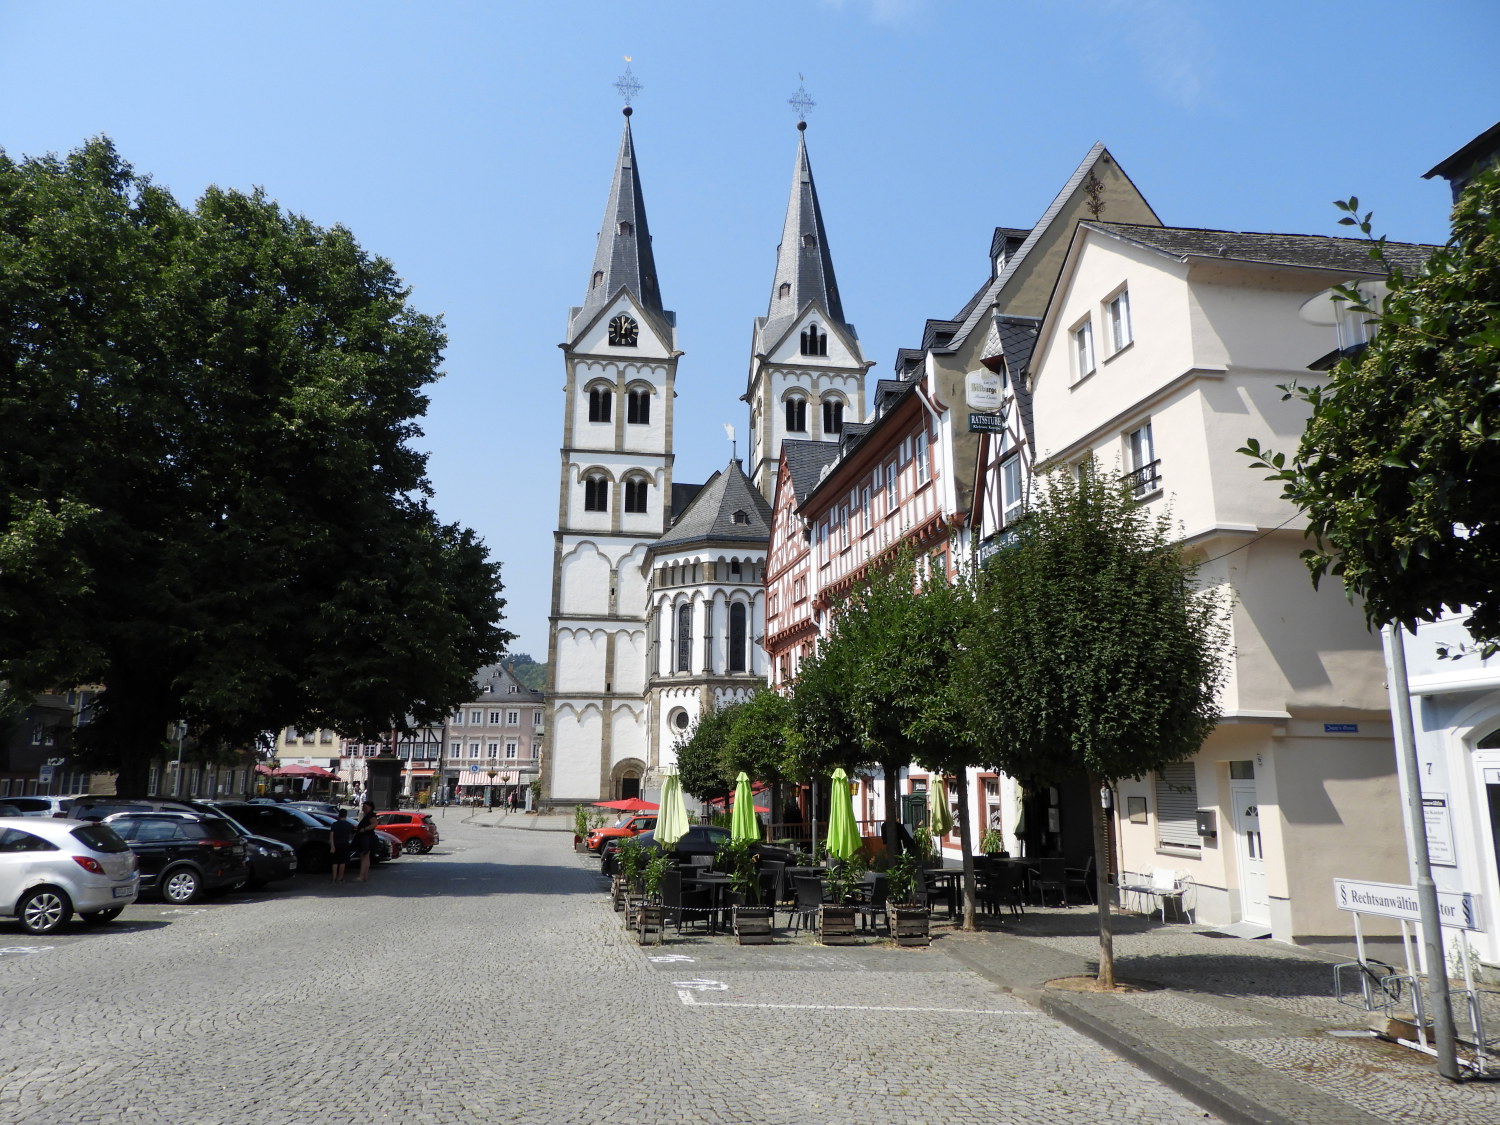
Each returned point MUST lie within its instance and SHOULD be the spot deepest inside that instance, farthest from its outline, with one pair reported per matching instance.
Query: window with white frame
(473, 750)
(475, 718)
(1144, 470)
(455, 749)
(890, 488)
(1083, 349)
(1010, 488)
(919, 452)
(1177, 806)
(494, 749)
(1119, 320)
(494, 718)
(510, 749)
(512, 718)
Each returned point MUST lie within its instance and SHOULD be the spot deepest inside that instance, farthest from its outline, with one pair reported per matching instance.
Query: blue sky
(472, 144)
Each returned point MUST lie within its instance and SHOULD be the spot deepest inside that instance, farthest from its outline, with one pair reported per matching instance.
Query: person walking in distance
(513, 802)
(364, 839)
(340, 843)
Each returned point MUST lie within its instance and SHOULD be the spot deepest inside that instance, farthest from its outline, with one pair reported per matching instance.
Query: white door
(1249, 851)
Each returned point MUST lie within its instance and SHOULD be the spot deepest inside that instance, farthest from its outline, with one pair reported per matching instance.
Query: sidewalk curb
(1198, 1087)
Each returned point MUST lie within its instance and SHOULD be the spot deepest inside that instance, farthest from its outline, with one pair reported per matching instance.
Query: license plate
(292, 864)
(124, 892)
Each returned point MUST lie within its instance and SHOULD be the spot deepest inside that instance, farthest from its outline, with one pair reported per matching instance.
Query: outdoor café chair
(1050, 876)
(1081, 877)
(807, 896)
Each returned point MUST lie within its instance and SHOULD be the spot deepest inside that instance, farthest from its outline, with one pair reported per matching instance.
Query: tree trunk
(892, 805)
(962, 786)
(1101, 885)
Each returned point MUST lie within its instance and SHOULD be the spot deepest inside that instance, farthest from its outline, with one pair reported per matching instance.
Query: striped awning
(482, 777)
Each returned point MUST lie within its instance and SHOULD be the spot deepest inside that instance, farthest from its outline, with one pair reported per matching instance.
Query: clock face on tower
(623, 331)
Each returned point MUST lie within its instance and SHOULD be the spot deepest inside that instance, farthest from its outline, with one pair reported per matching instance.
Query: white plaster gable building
(658, 602)
(1162, 351)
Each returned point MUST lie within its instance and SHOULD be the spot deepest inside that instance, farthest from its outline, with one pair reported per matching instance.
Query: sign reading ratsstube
(1459, 909)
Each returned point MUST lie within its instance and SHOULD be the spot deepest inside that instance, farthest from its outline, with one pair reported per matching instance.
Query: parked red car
(416, 831)
(625, 826)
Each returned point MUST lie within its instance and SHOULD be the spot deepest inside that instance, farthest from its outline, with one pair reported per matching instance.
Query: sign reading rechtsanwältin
(1458, 909)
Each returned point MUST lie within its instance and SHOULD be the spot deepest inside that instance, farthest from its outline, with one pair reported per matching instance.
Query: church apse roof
(728, 509)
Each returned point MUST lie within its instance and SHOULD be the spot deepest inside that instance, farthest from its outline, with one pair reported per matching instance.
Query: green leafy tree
(208, 500)
(1397, 467)
(824, 735)
(1094, 652)
(703, 756)
(759, 741)
(527, 671)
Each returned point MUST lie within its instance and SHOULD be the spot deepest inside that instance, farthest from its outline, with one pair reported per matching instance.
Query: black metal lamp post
(490, 791)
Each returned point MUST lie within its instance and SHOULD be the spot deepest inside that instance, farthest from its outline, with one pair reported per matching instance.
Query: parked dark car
(183, 854)
(327, 808)
(97, 808)
(386, 845)
(296, 827)
(700, 839)
(267, 859)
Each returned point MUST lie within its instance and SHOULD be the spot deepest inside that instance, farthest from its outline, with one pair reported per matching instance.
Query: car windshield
(100, 837)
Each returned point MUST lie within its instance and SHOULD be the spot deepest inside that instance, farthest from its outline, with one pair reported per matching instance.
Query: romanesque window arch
(796, 414)
(814, 341)
(685, 637)
(636, 490)
(596, 491)
(739, 632)
(601, 402)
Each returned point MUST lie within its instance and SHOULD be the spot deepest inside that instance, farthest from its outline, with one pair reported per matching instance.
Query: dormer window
(809, 240)
(598, 279)
(785, 290)
(626, 228)
(740, 518)
(814, 341)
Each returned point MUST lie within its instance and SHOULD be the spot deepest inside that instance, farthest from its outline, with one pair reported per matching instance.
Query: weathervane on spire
(627, 85)
(801, 102)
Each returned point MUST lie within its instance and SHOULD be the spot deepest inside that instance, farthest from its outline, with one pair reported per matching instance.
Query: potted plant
(910, 922)
(630, 861)
(650, 912)
(837, 916)
(993, 843)
(752, 920)
(580, 826)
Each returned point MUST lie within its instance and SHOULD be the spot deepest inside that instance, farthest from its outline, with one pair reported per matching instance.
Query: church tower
(614, 500)
(806, 368)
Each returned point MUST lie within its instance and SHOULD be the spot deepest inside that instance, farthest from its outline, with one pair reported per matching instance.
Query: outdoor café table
(717, 885)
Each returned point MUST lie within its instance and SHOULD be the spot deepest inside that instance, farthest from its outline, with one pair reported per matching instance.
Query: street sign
(1459, 909)
(986, 423)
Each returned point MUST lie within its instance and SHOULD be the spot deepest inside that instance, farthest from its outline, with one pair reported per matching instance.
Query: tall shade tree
(1094, 652)
(703, 756)
(758, 742)
(208, 500)
(1398, 465)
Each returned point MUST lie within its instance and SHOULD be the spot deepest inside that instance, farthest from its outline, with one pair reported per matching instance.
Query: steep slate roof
(682, 496)
(1017, 336)
(624, 259)
(803, 261)
(710, 515)
(805, 462)
(1306, 251)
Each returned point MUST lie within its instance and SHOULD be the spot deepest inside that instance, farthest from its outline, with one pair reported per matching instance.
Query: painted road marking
(687, 987)
(667, 957)
(692, 1001)
(26, 949)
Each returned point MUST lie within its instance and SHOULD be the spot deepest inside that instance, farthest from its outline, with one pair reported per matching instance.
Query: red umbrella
(629, 804)
(302, 771)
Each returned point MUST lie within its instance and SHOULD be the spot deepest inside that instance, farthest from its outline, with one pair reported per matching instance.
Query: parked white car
(51, 868)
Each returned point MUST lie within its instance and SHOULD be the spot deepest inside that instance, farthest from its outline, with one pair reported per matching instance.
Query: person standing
(341, 843)
(364, 840)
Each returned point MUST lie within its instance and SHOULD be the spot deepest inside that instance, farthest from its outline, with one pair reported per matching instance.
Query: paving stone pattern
(490, 982)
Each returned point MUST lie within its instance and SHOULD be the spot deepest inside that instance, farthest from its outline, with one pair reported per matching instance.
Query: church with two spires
(658, 596)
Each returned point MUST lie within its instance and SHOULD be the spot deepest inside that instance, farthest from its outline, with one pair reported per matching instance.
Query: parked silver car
(51, 868)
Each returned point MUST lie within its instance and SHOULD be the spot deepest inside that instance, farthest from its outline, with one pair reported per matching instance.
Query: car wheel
(100, 917)
(412, 846)
(43, 910)
(426, 848)
(181, 885)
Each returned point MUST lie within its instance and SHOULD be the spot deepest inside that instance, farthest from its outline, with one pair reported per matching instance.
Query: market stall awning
(482, 777)
(303, 771)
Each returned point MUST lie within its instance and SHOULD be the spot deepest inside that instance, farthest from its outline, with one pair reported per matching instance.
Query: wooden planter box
(753, 925)
(648, 923)
(910, 924)
(633, 906)
(836, 925)
(617, 891)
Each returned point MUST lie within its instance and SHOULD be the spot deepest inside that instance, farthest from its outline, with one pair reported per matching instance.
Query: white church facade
(658, 596)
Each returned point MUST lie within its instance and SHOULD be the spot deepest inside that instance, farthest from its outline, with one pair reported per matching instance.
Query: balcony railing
(1146, 479)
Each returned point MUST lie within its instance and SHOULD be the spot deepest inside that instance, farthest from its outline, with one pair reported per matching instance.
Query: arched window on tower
(796, 415)
(638, 407)
(785, 290)
(737, 633)
(635, 494)
(601, 404)
(685, 637)
(814, 341)
(596, 493)
(833, 416)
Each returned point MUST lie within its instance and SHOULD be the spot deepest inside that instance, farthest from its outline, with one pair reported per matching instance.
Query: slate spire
(804, 267)
(623, 257)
